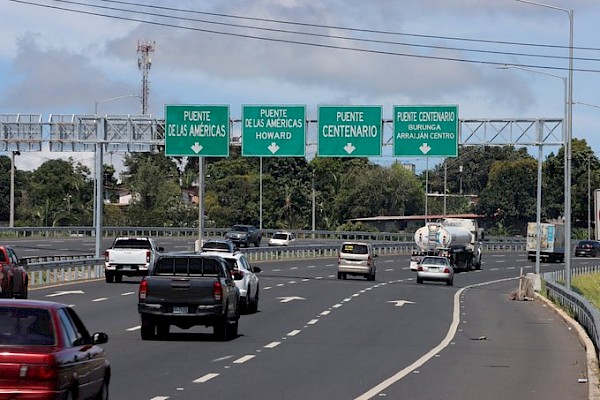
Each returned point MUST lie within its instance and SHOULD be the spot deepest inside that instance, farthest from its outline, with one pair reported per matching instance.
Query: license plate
(432, 268)
(180, 310)
(127, 267)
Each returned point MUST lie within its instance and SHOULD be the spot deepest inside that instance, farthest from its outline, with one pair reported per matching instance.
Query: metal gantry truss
(142, 133)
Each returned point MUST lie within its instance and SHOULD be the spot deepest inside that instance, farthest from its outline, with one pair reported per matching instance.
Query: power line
(297, 42)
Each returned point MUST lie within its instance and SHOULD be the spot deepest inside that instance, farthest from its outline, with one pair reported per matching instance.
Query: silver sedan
(432, 268)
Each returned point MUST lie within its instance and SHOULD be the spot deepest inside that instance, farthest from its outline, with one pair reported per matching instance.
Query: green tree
(58, 193)
(152, 180)
(509, 197)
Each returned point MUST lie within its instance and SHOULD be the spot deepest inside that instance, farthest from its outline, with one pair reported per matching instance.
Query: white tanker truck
(454, 238)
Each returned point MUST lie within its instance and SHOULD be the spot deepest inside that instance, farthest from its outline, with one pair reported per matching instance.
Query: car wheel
(162, 330)
(148, 329)
(118, 278)
(103, 393)
(450, 282)
(339, 275)
(245, 302)
(220, 329)
(109, 276)
(24, 291)
(419, 280)
(254, 302)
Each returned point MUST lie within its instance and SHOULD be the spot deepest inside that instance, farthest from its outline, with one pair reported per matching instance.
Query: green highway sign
(273, 130)
(197, 130)
(349, 131)
(430, 131)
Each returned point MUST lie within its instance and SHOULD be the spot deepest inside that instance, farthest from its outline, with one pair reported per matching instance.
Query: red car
(14, 281)
(47, 353)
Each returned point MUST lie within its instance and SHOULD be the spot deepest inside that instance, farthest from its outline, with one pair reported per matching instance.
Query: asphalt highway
(317, 337)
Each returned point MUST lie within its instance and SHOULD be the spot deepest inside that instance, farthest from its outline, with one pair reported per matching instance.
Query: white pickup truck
(129, 256)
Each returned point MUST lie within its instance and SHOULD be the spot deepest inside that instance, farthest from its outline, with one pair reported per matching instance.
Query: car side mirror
(237, 276)
(256, 270)
(160, 249)
(99, 338)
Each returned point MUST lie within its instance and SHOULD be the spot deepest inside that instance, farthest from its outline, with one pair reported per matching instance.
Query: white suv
(245, 278)
(356, 258)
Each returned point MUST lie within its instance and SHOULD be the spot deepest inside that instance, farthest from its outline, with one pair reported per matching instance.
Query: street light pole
(540, 156)
(11, 222)
(567, 146)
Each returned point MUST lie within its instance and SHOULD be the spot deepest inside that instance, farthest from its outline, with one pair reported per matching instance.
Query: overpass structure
(144, 133)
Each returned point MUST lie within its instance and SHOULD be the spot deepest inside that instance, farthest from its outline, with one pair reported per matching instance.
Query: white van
(356, 258)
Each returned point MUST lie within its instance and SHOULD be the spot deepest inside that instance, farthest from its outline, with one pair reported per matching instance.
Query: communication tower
(145, 51)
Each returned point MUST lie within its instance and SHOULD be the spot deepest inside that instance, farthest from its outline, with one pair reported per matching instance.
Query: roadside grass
(588, 286)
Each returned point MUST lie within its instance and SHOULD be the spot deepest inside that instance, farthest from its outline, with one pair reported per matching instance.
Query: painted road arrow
(64, 293)
(290, 298)
(400, 303)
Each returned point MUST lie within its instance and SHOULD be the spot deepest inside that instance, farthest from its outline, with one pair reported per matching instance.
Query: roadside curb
(593, 368)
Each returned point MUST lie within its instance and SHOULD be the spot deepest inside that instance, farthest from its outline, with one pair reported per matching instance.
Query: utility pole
(145, 51)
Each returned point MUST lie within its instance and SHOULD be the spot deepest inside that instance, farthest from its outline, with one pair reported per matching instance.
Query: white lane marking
(389, 261)
(127, 293)
(206, 378)
(338, 305)
(305, 280)
(100, 299)
(289, 298)
(160, 398)
(134, 328)
(497, 255)
(312, 321)
(291, 282)
(347, 299)
(293, 267)
(64, 292)
(311, 266)
(272, 344)
(243, 359)
(294, 332)
(276, 270)
(222, 358)
(326, 312)
(389, 269)
(431, 353)
(280, 284)
(356, 295)
(267, 288)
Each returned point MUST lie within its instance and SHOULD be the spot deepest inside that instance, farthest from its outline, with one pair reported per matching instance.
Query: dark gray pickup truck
(187, 290)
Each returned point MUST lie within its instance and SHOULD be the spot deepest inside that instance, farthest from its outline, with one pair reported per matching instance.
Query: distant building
(408, 223)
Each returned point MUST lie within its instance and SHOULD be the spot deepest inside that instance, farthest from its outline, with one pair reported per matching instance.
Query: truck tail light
(217, 291)
(143, 289)
(106, 255)
(369, 261)
(446, 270)
(147, 256)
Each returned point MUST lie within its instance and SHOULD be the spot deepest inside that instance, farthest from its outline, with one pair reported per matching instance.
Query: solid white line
(272, 344)
(294, 332)
(431, 353)
(205, 378)
(100, 299)
(242, 360)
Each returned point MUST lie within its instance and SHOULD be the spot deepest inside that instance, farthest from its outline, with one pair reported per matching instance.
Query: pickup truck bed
(186, 291)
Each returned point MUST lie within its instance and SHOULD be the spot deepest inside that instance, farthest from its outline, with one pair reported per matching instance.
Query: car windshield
(434, 261)
(354, 248)
(25, 326)
(280, 236)
(132, 244)
(240, 228)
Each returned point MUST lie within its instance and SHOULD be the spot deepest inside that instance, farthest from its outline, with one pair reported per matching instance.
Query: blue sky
(54, 61)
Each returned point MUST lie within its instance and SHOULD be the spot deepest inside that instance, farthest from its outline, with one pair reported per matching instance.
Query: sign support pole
(200, 204)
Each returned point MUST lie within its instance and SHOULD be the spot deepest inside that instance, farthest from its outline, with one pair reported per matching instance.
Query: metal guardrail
(88, 231)
(582, 310)
(54, 270)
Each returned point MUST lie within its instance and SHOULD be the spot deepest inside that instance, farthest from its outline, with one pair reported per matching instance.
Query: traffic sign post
(349, 131)
(430, 131)
(273, 130)
(197, 130)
